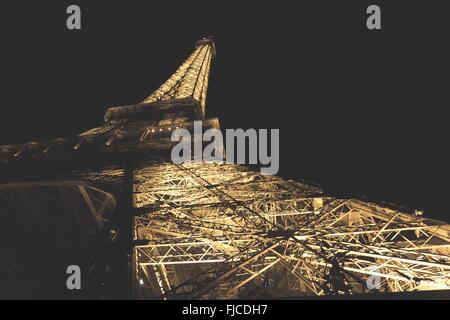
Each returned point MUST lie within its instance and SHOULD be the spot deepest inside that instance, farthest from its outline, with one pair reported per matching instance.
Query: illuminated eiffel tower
(214, 231)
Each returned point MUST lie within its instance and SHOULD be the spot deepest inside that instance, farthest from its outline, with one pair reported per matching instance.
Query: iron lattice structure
(214, 231)
(191, 78)
(223, 231)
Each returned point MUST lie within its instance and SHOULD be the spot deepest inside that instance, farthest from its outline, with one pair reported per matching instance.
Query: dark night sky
(360, 112)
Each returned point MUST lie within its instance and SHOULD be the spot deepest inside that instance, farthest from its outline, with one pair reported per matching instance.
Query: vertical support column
(123, 277)
(127, 232)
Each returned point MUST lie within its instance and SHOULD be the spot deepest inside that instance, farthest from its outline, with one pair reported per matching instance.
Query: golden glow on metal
(223, 231)
(191, 78)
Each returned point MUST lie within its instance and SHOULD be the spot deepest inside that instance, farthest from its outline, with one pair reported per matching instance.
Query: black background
(360, 112)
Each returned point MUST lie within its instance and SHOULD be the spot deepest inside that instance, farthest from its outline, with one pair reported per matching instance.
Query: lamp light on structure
(418, 212)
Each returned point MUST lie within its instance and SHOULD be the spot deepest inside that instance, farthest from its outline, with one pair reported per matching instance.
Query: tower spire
(191, 78)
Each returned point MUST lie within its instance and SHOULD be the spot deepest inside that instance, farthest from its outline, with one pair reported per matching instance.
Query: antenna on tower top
(207, 41)
(189, 84)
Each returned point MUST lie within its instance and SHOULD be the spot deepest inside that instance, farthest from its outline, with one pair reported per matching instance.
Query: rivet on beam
(54, 143)
(78, 145)
(84, 139)
(21, 150)
(47, 149)
(144, 135)
(112, 138)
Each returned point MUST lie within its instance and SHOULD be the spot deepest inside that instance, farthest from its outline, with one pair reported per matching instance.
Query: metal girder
(205, 230)
(223, 231)
(190, 79)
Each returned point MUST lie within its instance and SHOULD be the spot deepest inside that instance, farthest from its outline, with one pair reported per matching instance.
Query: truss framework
(222, 231)
(190, 79)
(206, 231)
(42, 208)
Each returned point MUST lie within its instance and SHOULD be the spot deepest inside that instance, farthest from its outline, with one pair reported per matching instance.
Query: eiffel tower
(205, 230)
